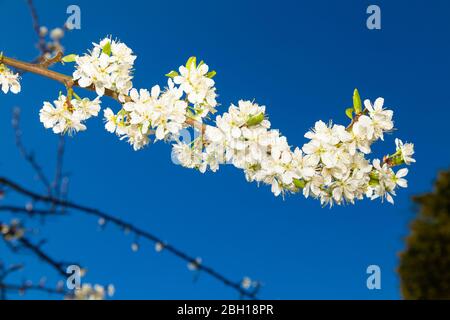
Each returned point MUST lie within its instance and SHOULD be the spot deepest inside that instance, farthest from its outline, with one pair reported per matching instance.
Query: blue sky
(302, 59)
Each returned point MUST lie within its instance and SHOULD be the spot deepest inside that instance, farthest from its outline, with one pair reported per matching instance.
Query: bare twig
(59, 267)
(57, 181)
(41, 45)
(130, 228)
(22, 288)
(29, 157)
(29, 212)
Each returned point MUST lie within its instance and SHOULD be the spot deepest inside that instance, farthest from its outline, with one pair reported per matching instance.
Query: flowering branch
(332, 167)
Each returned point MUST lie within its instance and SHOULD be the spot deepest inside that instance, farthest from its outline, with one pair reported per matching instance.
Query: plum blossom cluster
(9, 81)
(67, 115)
(160, 112)
(188, 94)
(332, 166)
(109, 65)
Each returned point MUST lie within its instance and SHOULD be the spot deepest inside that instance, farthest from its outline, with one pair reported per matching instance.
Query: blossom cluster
(188, 94)
(67, 115)
(332, 166)
(89, 292)
(108, 65)
(9, 81)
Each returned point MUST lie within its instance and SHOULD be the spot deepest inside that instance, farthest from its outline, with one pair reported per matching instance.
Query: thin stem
(5, 287)
(58, 266)
(31, 213)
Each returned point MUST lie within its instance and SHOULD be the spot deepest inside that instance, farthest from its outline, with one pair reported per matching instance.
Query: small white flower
(62, 117)
(406, 151)
(108, 65)
(9, 81)
(399, 180)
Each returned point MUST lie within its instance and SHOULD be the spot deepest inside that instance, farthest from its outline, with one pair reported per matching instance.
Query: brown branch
(68, 81)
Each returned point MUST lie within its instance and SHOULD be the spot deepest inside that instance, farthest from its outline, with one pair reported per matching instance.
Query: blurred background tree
(425, 264)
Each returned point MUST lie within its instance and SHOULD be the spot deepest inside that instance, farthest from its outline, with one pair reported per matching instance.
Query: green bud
(172, 74)
(191, 63)
(357, 104)
(255, 120)
(211, 74)
(349, 112)
(107, 48)
(299, 183)
(69, 58)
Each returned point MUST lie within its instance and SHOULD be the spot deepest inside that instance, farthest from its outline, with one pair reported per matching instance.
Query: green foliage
(255, 120)
(425, 264)
(349, 112)
(172, 74)
(191, 63)
(211, 74)
(69, 58)
(107, 48)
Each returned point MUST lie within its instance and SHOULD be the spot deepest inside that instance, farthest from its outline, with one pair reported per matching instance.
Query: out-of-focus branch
(59, 267)
(57, 181)
(29, 157)
(193, 262)
(29, 212)
(22, 288)
(42, 45)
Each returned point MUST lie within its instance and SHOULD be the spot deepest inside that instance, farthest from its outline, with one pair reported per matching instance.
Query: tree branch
(68, 81)
(129, 227)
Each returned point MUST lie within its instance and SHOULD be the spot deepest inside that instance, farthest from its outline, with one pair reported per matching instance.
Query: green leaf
(211, 74)
(357, 104)
(255, 120)
(107, 48)
(299, 183)
(69, 58)
(349, 112)
(172, 74)
(191, 63)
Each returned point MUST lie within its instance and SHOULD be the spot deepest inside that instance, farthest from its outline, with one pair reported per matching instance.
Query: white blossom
(67, 116)
(89, 292)
(9, 81)
(108, 65)
(406, 151)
